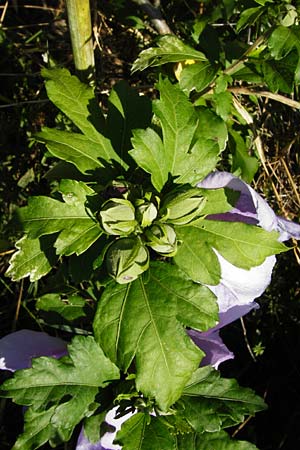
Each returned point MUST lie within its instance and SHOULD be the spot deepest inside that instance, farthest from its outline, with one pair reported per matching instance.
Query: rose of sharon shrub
(236, 293)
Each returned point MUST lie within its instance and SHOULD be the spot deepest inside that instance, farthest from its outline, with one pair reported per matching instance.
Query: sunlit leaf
(34, 258)
(77, 101)
(210, 402)
(169, 49)
(45, 215)
(76, 148)
(196, 76)
(241, 244)
(144, 321)
(191, 140)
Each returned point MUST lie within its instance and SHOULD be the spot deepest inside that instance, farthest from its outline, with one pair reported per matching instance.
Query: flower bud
(162, 238)
(118, 217)
(126, 259)
(146, 212)
(182, 206)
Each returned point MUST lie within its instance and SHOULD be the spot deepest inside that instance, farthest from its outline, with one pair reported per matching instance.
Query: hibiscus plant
(157, 251)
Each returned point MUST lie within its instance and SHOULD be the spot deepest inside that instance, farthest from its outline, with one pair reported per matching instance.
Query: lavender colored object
(215, 350)
(17, 349)
(238, 288)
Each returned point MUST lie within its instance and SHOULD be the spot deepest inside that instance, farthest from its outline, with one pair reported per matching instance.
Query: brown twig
(18, 27)
(46, 8)
(246, 340)
(294, 187)
(241, 426)
(3, 12)
(277, 97)
(14, 324)
(7, 252)
(28, 102)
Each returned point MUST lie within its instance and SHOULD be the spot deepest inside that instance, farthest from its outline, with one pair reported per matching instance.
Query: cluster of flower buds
(126, 259)
(162, 239)
(143, 223)
(118, 217)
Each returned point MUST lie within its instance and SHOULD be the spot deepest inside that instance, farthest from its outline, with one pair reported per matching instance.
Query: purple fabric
(215, 350)
(250, 207)
(17, 349)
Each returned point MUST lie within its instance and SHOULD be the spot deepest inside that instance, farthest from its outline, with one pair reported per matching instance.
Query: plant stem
(79, 17)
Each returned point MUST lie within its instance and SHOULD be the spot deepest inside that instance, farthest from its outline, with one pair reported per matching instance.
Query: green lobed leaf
(76, 148)
(209, 141)
(243, 164)
(211, 441)
(150, 153)
(145, 432)
(34, 258)
(210, 402)
(279, 75)
(37, 430)
(202, 415)
(69, 308)
(223, 104)
(143, 320)
(170, 49)
(60, 393)
(77, 101)
(283, 40)
(196, 76)
(206, 382)
(192, 140)
(196, 257)
(218, 200)
(45, 215)
(241, 244)
(249, 16)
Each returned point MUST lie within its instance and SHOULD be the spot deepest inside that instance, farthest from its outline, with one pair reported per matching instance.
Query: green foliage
(243, 164)
(271, 61)
(133, 224)
(34, 258)
(59, 393)
(142, 320)
(228, 403)
(70, 309)
(188, 150)
(170, 49)
(209, 404)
